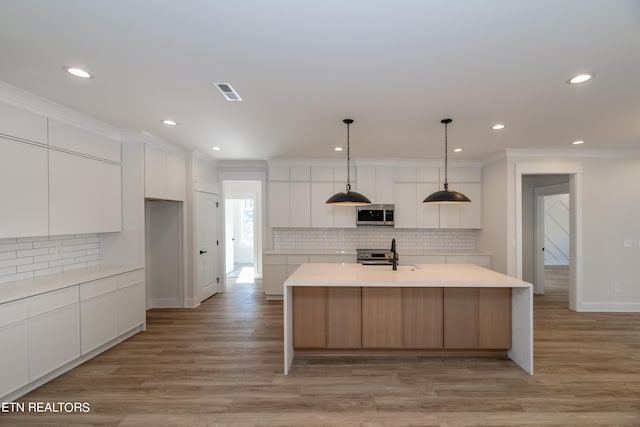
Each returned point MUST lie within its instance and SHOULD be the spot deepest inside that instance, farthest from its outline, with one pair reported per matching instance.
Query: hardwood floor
(221, 364)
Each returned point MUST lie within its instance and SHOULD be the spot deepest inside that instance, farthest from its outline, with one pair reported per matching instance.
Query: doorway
(528, 176)
(552, 234)
(242, 225)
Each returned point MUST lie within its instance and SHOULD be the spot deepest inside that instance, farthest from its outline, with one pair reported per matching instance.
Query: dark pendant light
(445, 196)
(348, 197)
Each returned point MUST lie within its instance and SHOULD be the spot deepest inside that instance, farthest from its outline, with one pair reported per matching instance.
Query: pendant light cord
(446, 153)
(348, 158)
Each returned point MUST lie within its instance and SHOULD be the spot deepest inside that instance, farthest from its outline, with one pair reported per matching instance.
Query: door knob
(203, 252)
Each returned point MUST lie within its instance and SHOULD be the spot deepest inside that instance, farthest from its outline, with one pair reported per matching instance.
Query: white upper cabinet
(321, 213)
(71, 138)
(23, 190)
(377, 183)
(406, 210)
(278, 209)
(428, 215)
(164, 175)
(19, 123)
(466, 215)
(85, 195)
(299, 204)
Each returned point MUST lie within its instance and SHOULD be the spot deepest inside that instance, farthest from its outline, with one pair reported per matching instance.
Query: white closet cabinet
(23, 190)
(14, 357)
(20, 123)
(85, 195)
(54, 331)
(164, 175)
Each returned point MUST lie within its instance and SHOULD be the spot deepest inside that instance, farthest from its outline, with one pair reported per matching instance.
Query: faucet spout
(395, 254)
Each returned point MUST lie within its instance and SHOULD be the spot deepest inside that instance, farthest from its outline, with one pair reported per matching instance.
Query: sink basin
(390, 268)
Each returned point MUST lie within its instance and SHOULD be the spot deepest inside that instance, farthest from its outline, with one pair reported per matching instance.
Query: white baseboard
(620, 307)
(167, 303)
(192, 303)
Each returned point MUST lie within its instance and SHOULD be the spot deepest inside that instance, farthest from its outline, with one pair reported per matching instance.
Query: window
(246, 228)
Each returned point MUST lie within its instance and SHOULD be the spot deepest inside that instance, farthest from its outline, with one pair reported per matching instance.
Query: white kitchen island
(453, 292)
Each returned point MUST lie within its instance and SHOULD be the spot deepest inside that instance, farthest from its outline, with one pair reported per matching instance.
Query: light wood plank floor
(221, 364)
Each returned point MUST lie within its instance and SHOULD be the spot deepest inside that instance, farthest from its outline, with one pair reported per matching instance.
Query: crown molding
(128, 136)
(21, 98)
(568, 153)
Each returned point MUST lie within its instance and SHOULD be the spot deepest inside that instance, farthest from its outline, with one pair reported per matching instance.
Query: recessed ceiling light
(169, 122)
(577, 142)
(457, 150)
(216, 148)
(581, 78)
(497, 126)
(337, 149)
(78, 72)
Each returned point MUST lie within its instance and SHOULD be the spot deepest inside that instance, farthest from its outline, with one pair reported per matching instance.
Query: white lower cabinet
(276, 269)
(97, 313)
(45, 332)
(110, 307)
(54, 331)
(130, 307)
(14, 357)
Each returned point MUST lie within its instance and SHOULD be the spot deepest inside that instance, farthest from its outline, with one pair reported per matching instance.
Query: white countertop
(424, 275)
(440, 252)
(12, 291)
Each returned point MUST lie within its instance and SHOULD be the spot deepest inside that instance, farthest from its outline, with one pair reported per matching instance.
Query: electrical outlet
(616, 288)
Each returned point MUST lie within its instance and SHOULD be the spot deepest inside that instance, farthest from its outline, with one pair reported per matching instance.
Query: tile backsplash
(28, 257)
(353, 238)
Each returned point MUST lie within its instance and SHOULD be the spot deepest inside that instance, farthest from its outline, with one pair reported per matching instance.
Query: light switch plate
(628, 243)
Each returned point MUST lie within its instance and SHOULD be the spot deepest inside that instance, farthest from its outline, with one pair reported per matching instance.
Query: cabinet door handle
(203, 252)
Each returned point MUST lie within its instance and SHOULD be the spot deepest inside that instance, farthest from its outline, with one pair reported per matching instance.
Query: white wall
(127, 247)
(609, 215)
(493, 236)
(164, 253)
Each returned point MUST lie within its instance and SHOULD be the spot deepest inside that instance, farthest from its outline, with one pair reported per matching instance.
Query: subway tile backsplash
(28, 257)
(353, 238)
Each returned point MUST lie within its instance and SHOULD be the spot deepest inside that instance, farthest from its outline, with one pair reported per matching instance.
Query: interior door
(207, 239)
(229, 226)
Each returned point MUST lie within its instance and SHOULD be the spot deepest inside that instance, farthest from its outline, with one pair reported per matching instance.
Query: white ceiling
(395, 67)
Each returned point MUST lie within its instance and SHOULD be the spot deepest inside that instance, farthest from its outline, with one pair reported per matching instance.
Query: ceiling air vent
(229, 93)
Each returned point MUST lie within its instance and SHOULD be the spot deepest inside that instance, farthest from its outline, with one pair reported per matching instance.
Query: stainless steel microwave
(381, 215)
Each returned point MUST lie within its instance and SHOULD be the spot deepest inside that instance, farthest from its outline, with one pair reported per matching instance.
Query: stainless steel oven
(380, 215)
(374, 256)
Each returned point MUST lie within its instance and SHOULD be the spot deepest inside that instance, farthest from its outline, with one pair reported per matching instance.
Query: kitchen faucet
(395, 254)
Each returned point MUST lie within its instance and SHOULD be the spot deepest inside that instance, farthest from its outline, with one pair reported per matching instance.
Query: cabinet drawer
(130, 278)
(97, 287)
(12, 312)
(275, 259)
(52, 300)
(297, 259)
